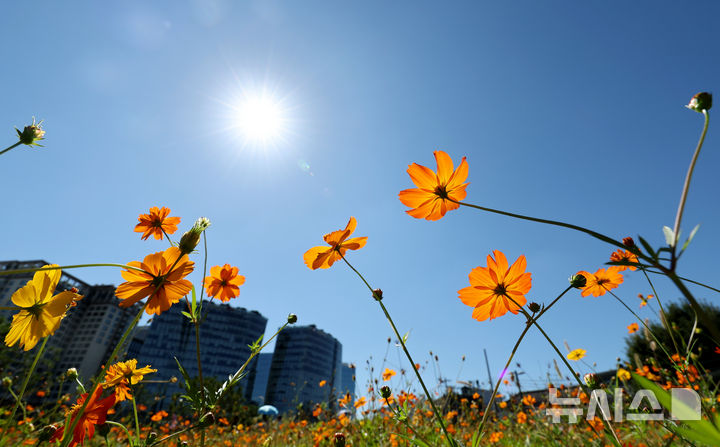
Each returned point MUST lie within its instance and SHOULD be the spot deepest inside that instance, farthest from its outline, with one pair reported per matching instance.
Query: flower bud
(72, 373)
(207, 420)
(173, 379)
(591, 380)
(103, 429)
(46, 432)
(628, 242)
(7, 381)
(578, 281)
(701, 101)
(534, 307)
(385, 392)
(292, 319)
(191, 238)
(31, 134)
(151, 437)
(377, 294)
(339, 440)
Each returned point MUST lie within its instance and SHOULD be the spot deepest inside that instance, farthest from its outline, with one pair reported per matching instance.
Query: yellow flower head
(623, 374)
(576, 354)
(40, 312)
(122, 374)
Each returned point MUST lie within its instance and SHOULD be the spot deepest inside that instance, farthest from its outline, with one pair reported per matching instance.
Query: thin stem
(38, 269)
(172, 435)
(663, 315)
(478, 432)
(137, 423)
(405, 421)
(197, 342)
(168, 237)
(10, 147)
(407, 353)
(605, 418)
(688, 280)
(18, 400)
(686, 189)
(67, 435)
(592, 233)
(117, 424)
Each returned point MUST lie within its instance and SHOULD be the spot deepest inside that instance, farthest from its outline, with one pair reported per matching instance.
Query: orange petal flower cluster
(322, 257)
(634, 327)
(430, 199)
(496, 289)
(388, 374)
(123, 374)
(601, 281)
(224, 282)
(156, 222)
(95, 414)
(624, 255)
(162, 280)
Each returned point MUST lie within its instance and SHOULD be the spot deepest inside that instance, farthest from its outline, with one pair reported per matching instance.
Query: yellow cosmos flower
(123, 374)
(40, 312)
(576, 354)
(623, 374)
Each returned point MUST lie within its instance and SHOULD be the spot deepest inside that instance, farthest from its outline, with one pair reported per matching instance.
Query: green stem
(137, 423)
(67, 435)
(18, 400)
(10, 147)
(121, 426)
(479, 431)
(37, 269)
(403, 419)
(172, 435)
(686, 189)
(407, 353)
(197, 343)
(688, 280)
(605, 417)
(592, 233)
(663, 315)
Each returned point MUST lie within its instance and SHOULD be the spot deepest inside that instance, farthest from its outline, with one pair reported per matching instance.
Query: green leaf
(699, 430)
(186, 377)
(187, 315)
(648, 248)
(193, 307)
(405, 337)
(690, 238)
(669, 235)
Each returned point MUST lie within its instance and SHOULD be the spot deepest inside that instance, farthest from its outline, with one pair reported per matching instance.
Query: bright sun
(261, 119)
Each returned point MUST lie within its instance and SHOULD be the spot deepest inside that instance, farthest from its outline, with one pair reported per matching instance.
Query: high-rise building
(89, 332)
(262, 372)
(304, 357)
(225, 337)
(348, 381)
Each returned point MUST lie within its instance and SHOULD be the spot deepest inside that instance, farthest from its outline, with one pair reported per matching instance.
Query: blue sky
(571, 111)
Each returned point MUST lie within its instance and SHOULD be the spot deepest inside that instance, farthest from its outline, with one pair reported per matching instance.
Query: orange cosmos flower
(156, 222)
(323, 257)
(496, 289)
(360, 402)
(162, 280)
(158, 416)
(224, 282)
(322, 383)
(387, 374)
(430, 199)
(123, 374)
(633, 328)
(624, 255)
(95, 414)
(601, 281)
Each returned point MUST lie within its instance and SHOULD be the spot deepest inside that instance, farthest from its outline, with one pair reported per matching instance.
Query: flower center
(500, 290)
(602, 281)
(157, 223)
(441, 192)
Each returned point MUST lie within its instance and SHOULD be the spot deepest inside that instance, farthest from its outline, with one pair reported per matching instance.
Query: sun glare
(260, 119)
